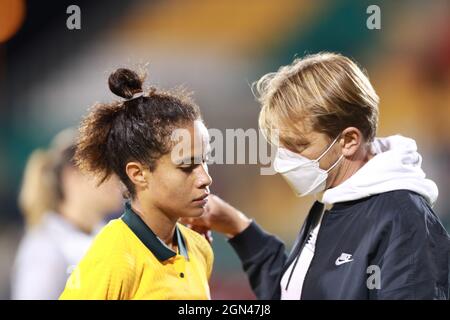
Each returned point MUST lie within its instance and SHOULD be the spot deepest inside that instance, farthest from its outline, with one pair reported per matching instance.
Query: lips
(203, 197)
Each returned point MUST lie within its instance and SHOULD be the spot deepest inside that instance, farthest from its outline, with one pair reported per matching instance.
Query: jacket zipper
(321, 220)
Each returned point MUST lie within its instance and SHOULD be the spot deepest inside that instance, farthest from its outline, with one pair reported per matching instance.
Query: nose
(204, 180)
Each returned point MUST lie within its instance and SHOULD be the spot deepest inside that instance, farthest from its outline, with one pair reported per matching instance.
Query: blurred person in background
(63, 210)
(373, 233)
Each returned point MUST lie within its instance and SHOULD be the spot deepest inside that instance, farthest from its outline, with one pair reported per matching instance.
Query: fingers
(208, 236)
(197, 222)
(206, 233)
(203, 231)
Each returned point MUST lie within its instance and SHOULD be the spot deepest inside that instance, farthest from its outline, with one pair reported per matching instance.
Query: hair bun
(125, 83)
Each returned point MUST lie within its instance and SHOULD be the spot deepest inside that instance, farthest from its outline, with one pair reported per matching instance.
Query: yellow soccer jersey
(128, 261)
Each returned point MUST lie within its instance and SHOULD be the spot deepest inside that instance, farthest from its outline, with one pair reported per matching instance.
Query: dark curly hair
(137, 129)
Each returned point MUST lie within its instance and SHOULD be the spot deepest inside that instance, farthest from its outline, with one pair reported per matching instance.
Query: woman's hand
(219, 216)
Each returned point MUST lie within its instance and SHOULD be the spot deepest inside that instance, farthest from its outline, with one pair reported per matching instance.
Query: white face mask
(303, 175)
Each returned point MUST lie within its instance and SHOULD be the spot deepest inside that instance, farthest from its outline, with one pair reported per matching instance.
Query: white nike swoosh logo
(342, 261)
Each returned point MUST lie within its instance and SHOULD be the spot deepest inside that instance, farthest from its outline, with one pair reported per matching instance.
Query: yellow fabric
(118, 266)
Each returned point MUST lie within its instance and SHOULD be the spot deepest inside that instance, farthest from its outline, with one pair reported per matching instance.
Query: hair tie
(137, 95)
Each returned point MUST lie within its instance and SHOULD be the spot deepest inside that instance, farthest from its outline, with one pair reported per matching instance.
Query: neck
(350, 166)
(80, 215)
(159, 222)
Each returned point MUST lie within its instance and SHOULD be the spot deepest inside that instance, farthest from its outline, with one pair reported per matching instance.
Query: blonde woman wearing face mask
(373, 234)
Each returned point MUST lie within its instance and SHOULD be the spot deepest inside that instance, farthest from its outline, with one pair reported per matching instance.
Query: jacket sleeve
(415, 264)
(263, 257)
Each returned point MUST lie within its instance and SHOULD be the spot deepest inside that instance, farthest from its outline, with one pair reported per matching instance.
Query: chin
(195, 212)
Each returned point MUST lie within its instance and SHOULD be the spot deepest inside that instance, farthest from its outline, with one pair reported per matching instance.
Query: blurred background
(50, 75)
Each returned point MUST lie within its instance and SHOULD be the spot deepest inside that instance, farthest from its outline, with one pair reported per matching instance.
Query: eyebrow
(191, 160)
(296, 143)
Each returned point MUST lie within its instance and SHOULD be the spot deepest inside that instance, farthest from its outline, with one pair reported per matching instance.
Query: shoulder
(39, 242)
(407, 211)
(110, 241)
(39, 252)
(37, 237)
(402, 204)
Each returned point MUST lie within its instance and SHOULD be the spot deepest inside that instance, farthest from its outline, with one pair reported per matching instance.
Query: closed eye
(189, 168)
(300, 147)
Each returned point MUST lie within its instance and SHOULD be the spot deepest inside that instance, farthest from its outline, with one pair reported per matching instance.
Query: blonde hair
(41, 189)
(35, 197)
(324, 92)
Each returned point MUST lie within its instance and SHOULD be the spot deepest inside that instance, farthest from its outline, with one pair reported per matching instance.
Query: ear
(350, 141)
(135, 172)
